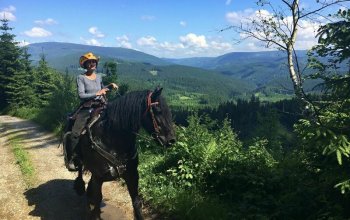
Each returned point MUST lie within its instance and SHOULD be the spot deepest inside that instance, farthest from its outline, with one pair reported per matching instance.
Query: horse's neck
(112, 136)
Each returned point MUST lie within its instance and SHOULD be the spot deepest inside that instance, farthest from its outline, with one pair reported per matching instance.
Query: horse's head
(157, 119)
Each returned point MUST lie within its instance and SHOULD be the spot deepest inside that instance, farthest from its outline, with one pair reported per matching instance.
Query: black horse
(108, 148)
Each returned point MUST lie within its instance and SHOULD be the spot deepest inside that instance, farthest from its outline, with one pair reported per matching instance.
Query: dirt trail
(52, 196)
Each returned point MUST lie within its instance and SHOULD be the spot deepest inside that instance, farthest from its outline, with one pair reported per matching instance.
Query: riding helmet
(86, 57)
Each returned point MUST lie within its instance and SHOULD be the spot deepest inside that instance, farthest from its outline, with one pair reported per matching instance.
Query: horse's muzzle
(171, 142)
(163, 140)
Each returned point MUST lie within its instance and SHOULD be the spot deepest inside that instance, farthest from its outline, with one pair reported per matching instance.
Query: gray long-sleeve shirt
(88, 88)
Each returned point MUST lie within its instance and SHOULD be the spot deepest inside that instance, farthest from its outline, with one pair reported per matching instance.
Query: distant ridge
(57, 50)
(205, 78)
(258, 67)
(184, 85)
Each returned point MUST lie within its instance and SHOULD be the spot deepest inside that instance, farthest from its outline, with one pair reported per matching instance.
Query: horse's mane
(125, 113)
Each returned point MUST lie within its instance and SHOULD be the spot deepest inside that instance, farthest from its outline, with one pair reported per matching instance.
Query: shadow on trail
(28, 132)
(56, 199)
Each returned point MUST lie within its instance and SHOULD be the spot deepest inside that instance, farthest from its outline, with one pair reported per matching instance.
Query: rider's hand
(102, 92)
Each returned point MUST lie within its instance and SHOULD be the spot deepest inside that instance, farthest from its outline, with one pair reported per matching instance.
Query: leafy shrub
(210, 164)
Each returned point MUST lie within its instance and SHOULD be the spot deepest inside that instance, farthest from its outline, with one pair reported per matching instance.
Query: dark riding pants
(79, 126)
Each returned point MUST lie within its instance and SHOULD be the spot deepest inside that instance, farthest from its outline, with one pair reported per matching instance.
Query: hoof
(71, 166)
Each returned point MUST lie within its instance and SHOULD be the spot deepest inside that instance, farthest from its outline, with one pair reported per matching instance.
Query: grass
(23, 160)
(21, 156)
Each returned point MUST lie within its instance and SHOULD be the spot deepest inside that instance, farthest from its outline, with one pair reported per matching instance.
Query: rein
(111, 158)
(150, 110)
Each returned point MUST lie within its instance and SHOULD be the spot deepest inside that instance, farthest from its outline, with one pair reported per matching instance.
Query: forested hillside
(183, 84)
(261, 73)
(62, 55)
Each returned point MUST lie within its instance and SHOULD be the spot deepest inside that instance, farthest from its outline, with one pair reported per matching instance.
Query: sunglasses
(90, 61)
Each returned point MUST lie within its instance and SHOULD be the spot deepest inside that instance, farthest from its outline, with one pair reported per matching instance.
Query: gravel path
(52, 196)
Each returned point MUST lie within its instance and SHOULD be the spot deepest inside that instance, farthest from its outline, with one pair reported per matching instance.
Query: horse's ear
(156, 93)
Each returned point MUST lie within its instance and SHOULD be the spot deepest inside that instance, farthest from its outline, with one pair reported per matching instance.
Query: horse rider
(92, 94)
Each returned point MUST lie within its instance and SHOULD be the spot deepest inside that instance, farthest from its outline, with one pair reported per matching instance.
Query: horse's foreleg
(94, 197)
(131, 178)
(79, 184)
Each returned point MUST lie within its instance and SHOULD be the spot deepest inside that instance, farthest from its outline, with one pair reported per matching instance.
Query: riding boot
(72, 163)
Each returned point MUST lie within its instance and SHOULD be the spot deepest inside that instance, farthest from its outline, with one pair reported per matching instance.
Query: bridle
(149, 109)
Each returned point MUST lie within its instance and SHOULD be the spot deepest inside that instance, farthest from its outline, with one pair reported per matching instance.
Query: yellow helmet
(86, 57)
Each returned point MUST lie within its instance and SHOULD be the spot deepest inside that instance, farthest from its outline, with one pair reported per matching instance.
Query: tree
(62, 101)
(330, 58)
(10, 54)
(110, 71)
(45, 82)
(110, 75)
(20, 89)
(279, 29)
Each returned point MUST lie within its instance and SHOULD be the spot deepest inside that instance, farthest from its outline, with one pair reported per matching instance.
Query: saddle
(96, 109)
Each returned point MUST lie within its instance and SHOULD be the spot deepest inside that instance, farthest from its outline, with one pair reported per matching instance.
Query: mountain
(260, 68)
(200, 62)
(190, 80)
(184, 85)
(68, 54)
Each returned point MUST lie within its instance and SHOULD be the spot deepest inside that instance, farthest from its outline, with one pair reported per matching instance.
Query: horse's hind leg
(131, 178)
(94, 197)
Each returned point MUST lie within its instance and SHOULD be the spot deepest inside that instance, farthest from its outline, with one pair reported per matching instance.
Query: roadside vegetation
(23, 161)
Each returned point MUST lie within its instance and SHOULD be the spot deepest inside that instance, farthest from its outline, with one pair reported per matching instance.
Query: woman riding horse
(108, 147)
(91, 93)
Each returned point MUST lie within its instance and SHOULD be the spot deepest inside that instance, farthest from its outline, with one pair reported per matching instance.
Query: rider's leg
(78, 127)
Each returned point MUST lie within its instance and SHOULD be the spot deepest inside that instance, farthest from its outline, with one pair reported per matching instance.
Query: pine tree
(20, 90)
(10, 64)
(110, 75)
(44, 84)
(63, 100)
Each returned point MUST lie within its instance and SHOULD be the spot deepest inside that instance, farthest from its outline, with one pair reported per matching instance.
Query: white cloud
(38, 32)
(147, 41)
(92, 42)
(187, 46)
(192, 40)
(183, 23)
(306, 31)
(7, 13)
(23, 43)
(125, 44)
(252, 46)
(148, 17)
(48, 21)
(123, 41)
(220, 46)
(94, 31)
(236, 17)
(171, 46)
(233, 17)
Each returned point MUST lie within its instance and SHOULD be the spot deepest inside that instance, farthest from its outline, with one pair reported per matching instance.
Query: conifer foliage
(32, 91)
(10, 65)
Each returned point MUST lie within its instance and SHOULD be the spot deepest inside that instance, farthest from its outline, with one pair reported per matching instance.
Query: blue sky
(164, 28)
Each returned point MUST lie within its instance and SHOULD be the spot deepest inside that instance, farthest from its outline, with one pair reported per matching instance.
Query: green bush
(210, 164)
